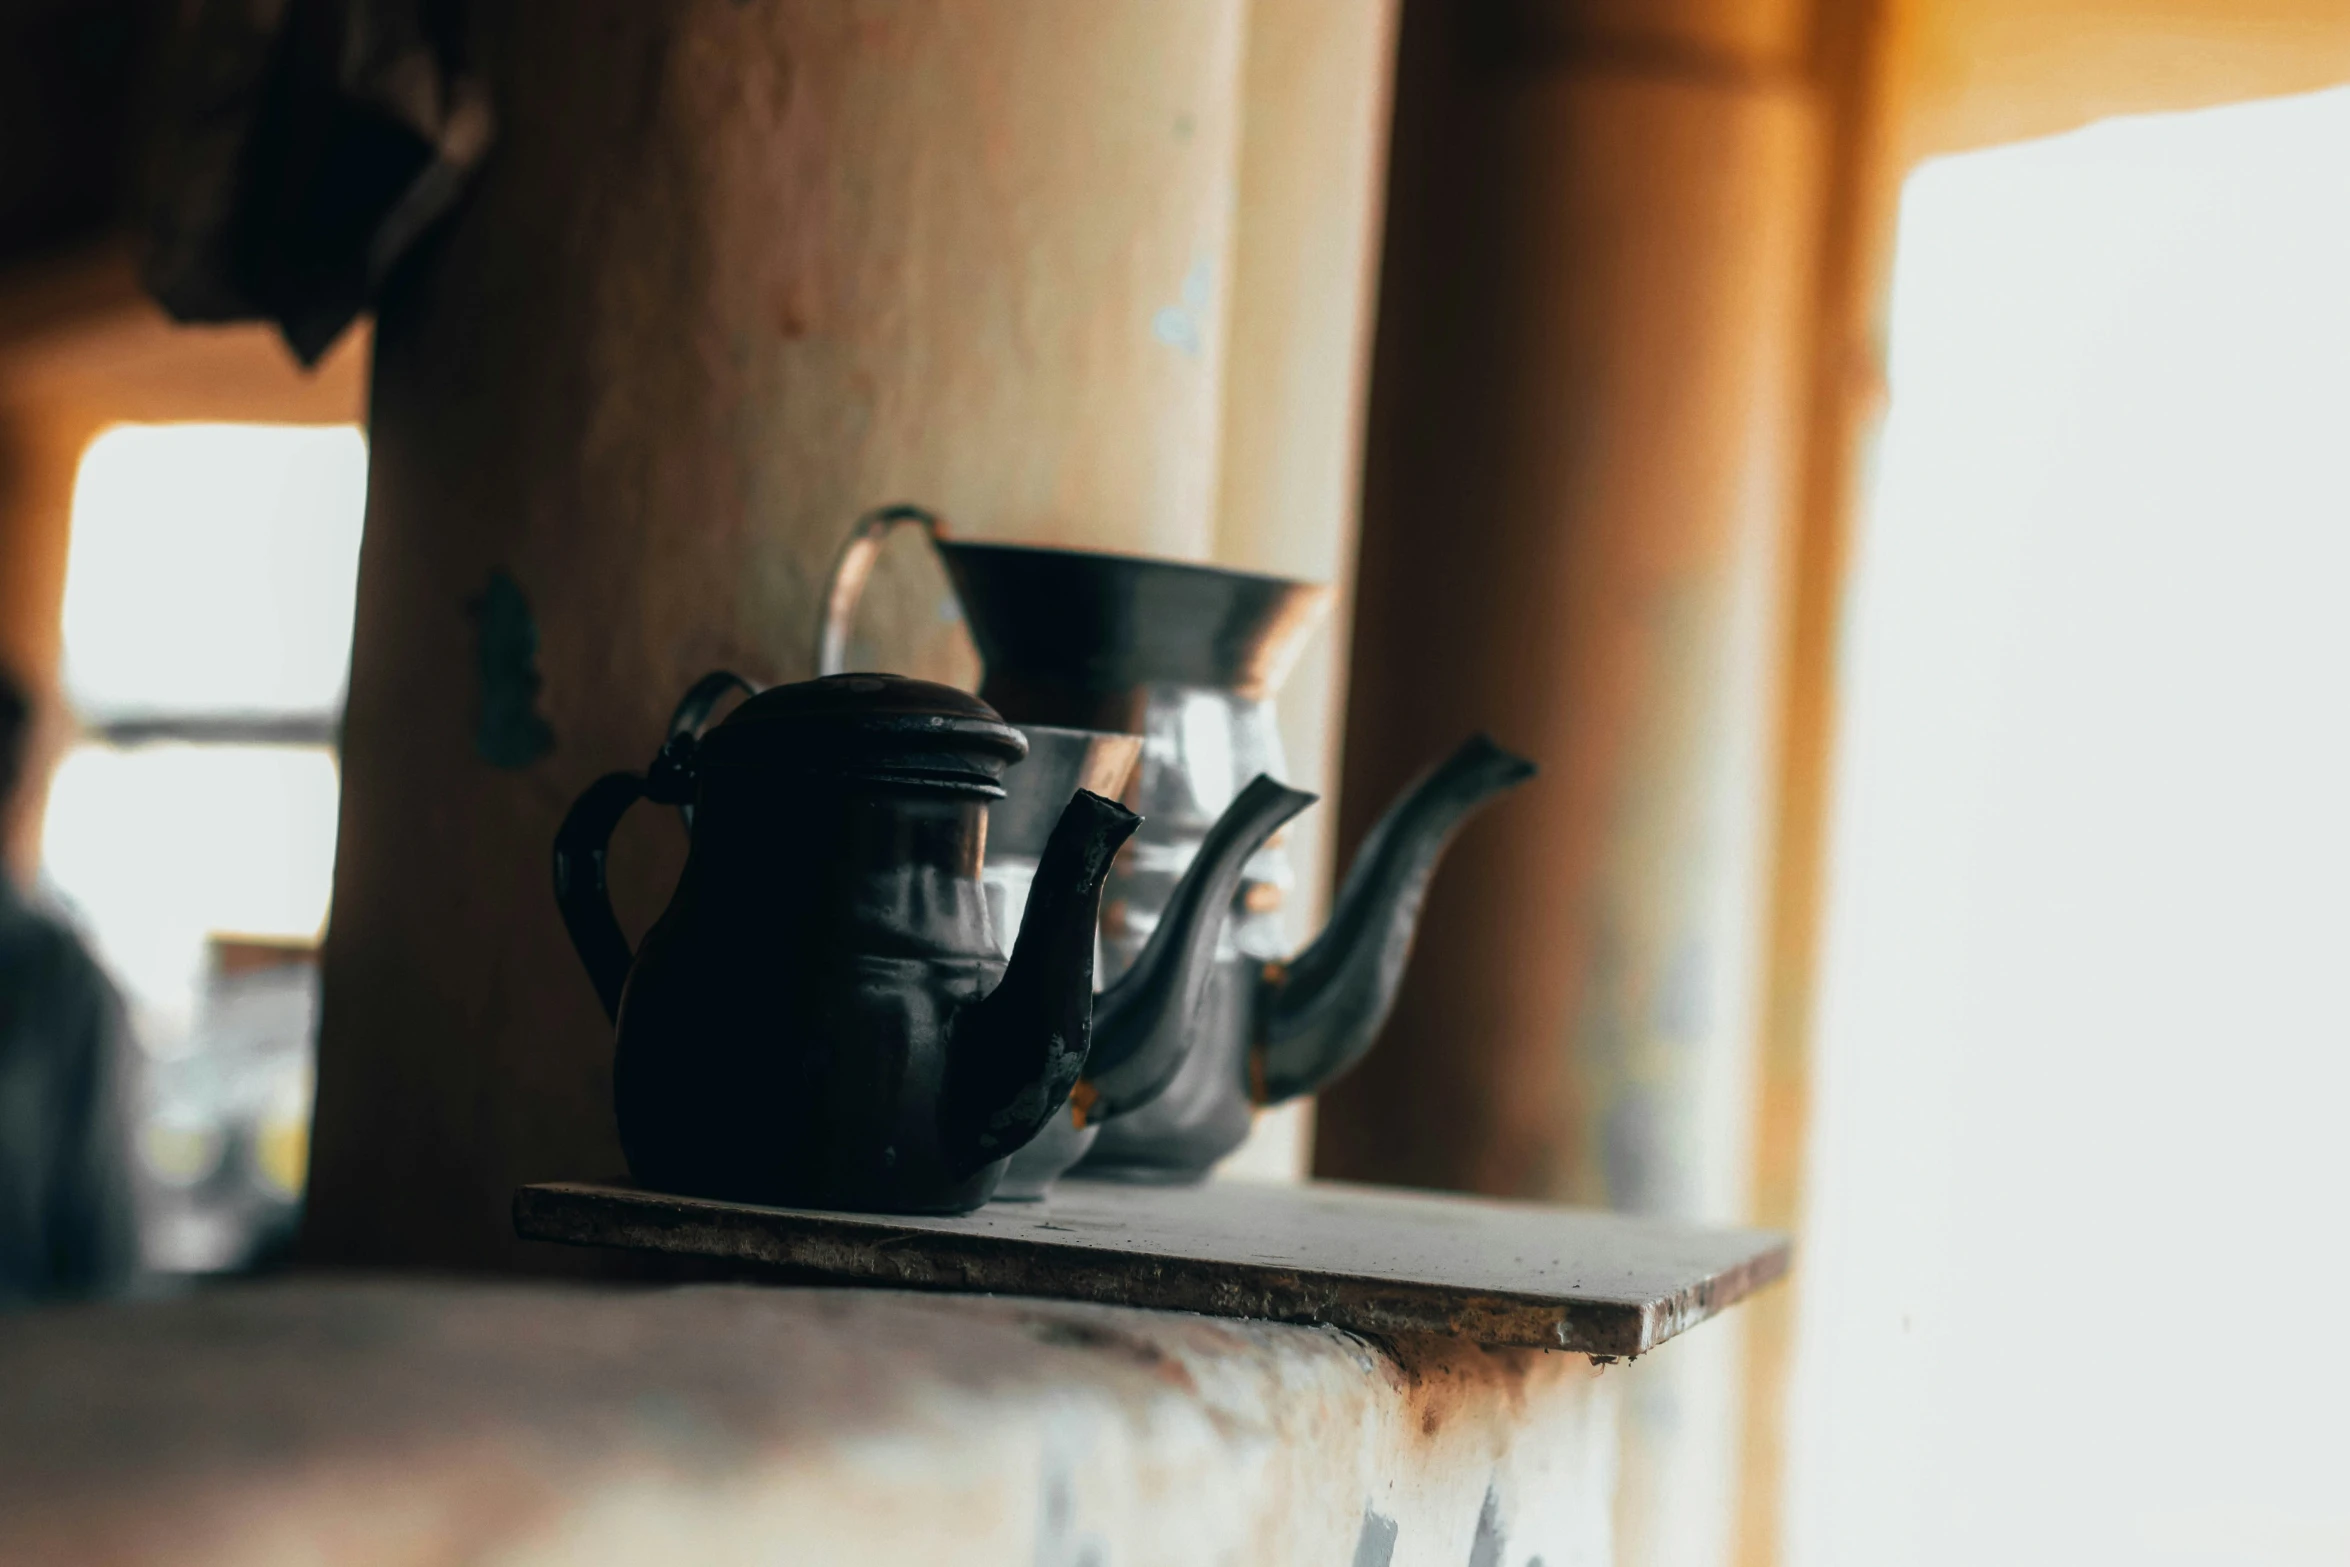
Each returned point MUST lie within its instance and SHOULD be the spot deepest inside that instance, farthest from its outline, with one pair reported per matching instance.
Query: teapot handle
(850, 571)
(581, 846)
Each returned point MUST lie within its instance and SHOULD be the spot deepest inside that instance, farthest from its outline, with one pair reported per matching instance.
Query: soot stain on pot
(509, 730)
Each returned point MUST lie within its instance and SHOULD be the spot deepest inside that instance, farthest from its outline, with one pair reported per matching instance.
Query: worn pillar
(1583, 405)
(732, 274)
(1313, 175)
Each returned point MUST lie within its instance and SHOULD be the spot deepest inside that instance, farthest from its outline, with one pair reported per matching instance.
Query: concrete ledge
(405, 1422)
(1373, 1260)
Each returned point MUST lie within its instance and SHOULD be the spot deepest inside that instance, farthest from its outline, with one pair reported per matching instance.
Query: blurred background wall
(1588, 434)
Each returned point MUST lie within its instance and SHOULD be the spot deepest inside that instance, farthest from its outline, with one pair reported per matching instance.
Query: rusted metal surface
(1373, 1262)
(369, 1423)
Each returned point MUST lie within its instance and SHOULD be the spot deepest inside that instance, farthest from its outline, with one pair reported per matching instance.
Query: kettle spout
(1320, 1013)
(1142, 1026)
(1018, 1052)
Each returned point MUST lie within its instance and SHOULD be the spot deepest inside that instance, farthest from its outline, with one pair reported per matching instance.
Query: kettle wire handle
(852, 568)
(692, 716)
(582, 847)
(693, 709)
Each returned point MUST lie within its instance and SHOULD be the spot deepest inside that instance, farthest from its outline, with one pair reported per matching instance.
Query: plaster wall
(381, 1423)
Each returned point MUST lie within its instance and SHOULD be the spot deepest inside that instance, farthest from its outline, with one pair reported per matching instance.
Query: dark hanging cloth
(302, 148)
(67, 1226)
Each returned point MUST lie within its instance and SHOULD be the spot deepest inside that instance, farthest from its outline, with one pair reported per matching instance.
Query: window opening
(2083, 1037)
(191, 825)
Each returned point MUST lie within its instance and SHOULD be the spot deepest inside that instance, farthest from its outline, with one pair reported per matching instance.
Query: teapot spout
(1319, 1013)
(1142, 1026)
(1018, 1052)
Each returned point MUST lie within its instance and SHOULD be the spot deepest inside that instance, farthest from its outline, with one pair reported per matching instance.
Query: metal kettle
(1147, 1024)
(1275, 1029)
(1189, 657)
(820, 1018)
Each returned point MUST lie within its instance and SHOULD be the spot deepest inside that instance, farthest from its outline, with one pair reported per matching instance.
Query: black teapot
(1144, 1025)
(820, 1018)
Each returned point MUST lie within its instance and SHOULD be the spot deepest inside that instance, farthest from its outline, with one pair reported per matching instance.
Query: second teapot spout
(1143, 1025)
(1319, 1013)
(1018, 1052)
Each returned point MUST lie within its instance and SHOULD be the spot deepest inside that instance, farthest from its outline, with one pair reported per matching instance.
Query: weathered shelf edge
(870, 1248)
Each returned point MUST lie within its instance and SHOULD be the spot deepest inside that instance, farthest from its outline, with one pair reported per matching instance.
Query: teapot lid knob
(871, 727)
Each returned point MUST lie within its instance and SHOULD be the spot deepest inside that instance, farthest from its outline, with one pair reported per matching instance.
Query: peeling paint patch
(1059, 1543)
(1492, 1541)
(1183, 325)
(1375, 1546)
(509, 731)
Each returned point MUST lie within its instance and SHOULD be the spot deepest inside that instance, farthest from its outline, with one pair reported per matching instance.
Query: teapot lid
(871, 728)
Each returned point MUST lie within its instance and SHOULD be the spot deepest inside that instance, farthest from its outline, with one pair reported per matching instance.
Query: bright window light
(2076, 1216)
(159, 846)
(212, 569)
(208, 610)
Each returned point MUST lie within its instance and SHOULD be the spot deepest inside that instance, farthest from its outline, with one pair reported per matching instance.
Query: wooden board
(1367, 1259)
